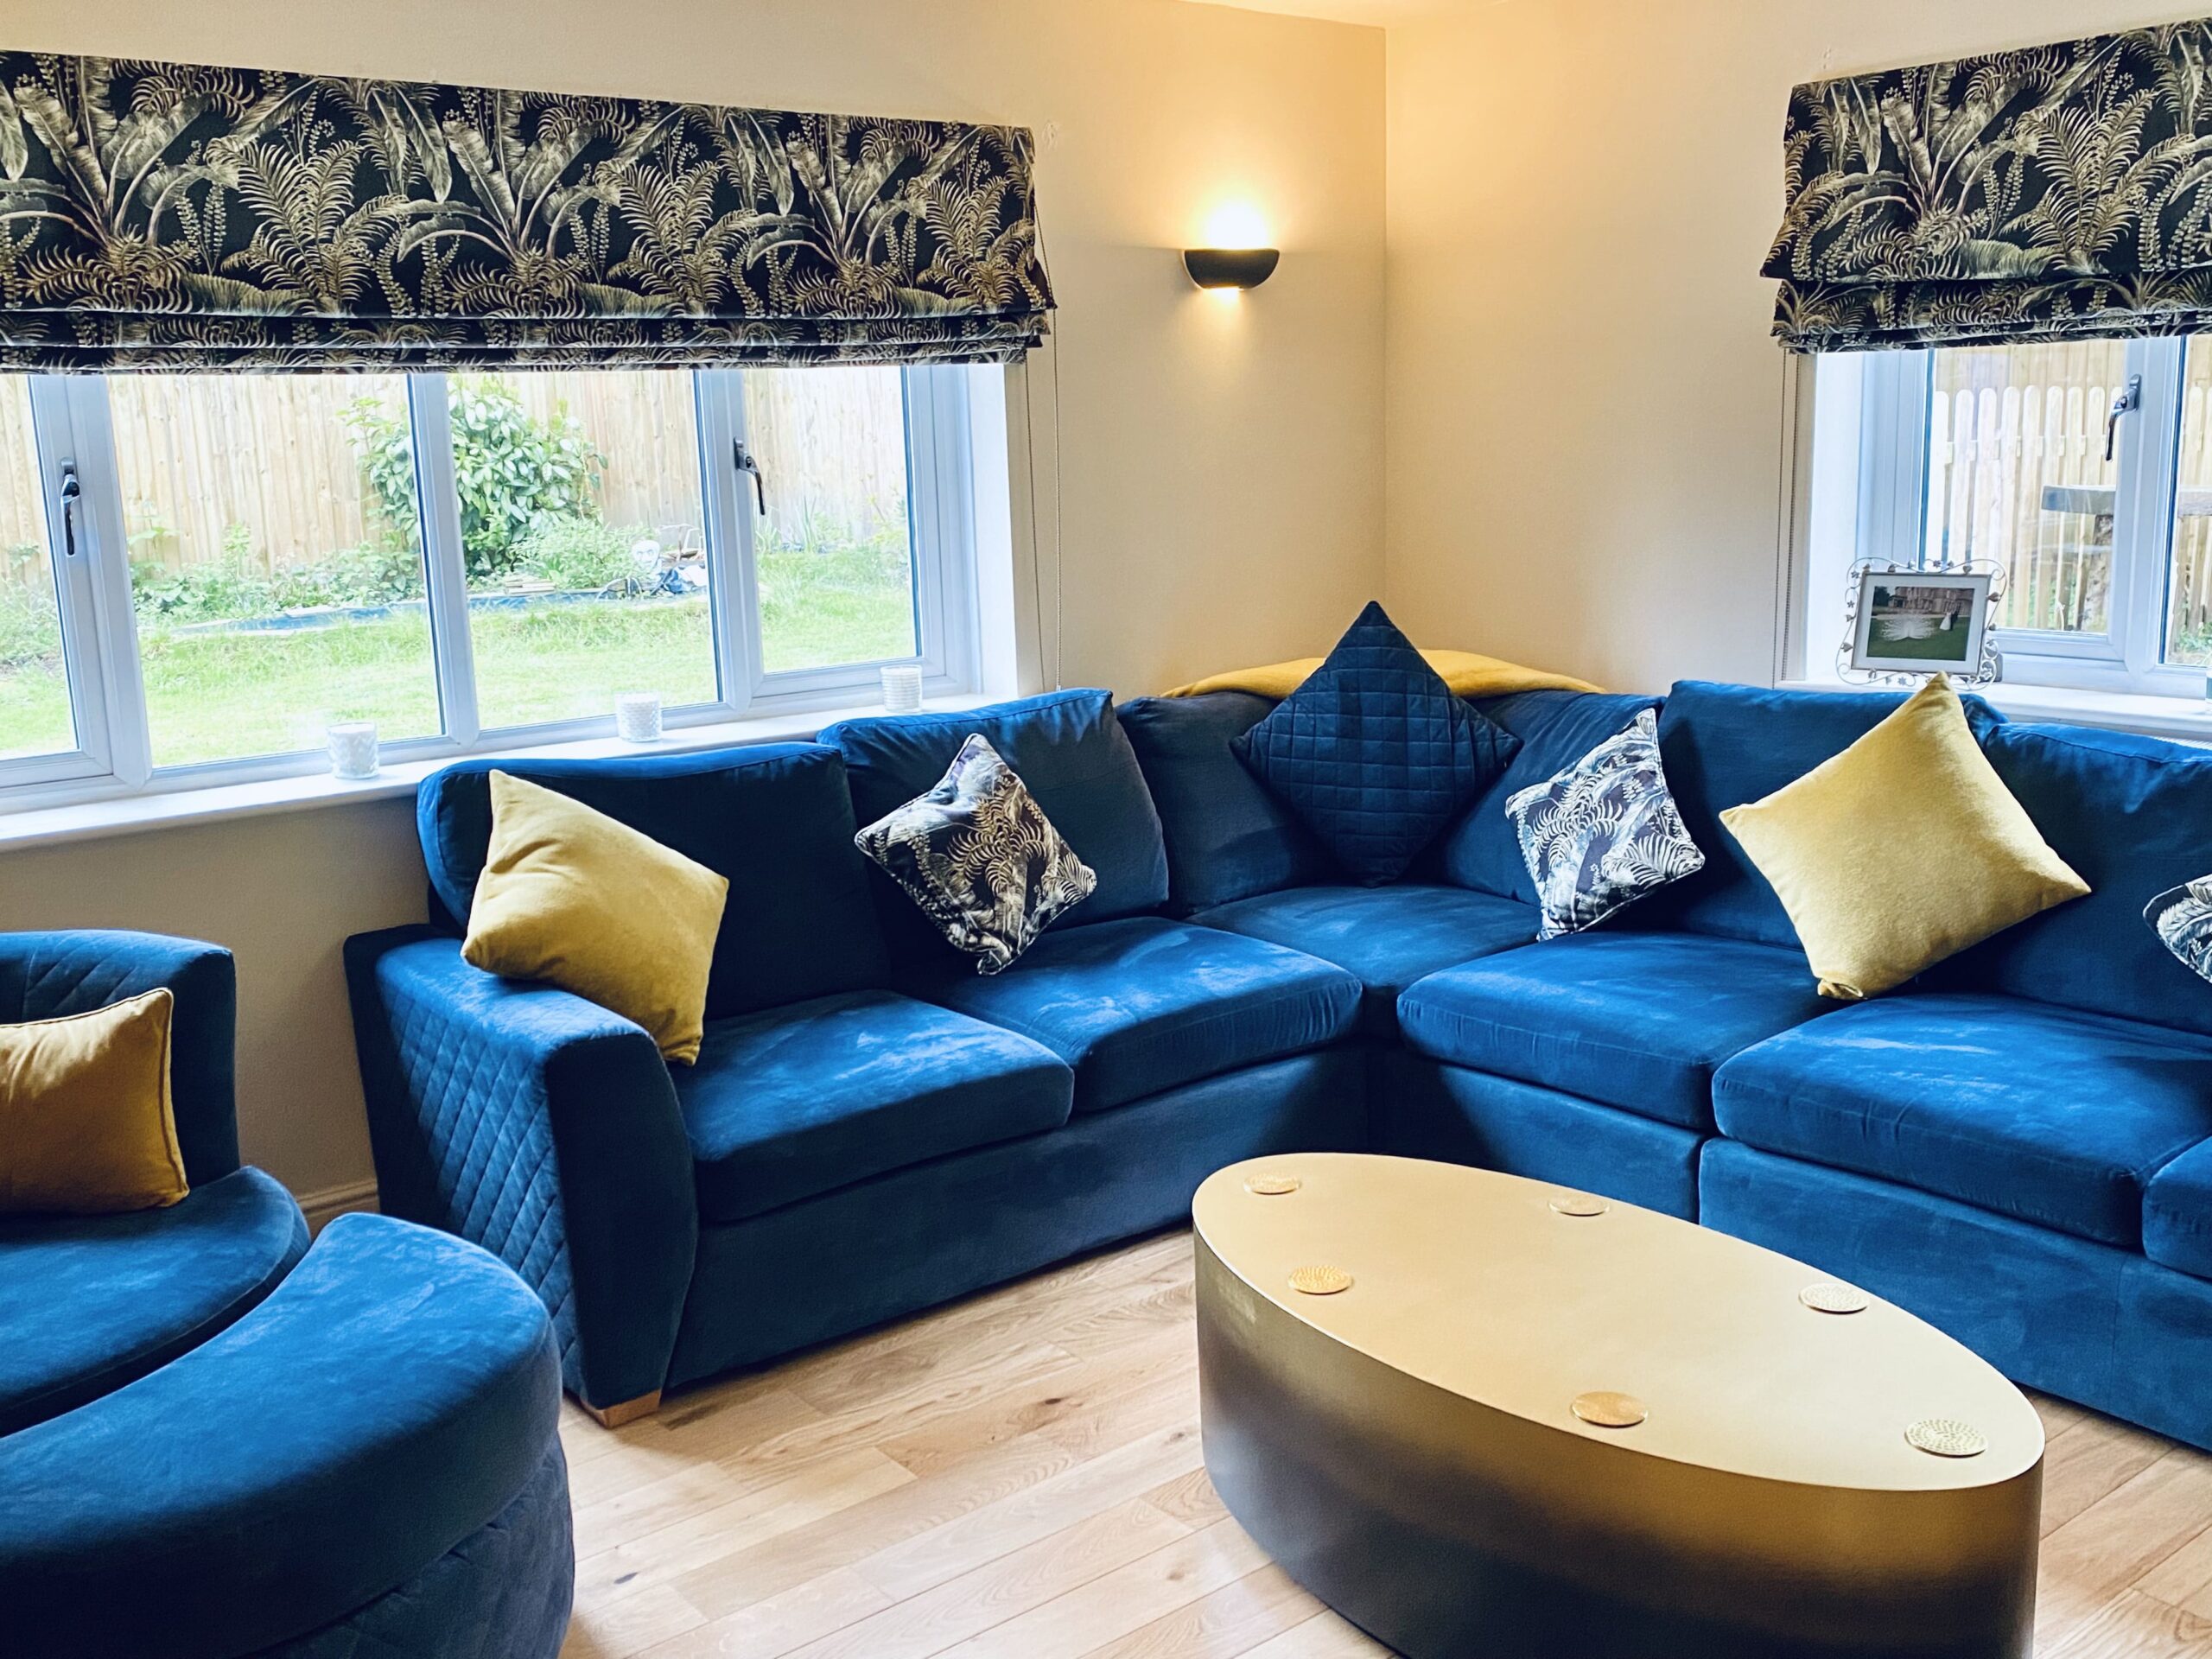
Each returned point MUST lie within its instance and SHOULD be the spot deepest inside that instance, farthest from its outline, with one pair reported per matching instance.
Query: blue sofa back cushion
(1375, 752)
(1725, 745)
(1069, 749)
(1227, 837)
(1556, 729)
(2133, 817)
(776, 820)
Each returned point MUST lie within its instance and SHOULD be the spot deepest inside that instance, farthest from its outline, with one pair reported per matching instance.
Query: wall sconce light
(1230, 267)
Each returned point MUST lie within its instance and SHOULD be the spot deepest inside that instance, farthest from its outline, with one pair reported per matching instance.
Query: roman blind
(2062, 192)
(167, 216)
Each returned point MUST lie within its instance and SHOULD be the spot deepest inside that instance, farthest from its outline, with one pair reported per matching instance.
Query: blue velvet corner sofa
(219, 1443)
(2019, 1146)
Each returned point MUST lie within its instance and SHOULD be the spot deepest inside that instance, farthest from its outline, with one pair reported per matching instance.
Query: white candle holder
(637, 716)
(902, 688)
(353, 746)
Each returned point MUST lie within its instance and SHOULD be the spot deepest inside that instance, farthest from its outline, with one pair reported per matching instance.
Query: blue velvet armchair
(91, 1303)
(386, 1475)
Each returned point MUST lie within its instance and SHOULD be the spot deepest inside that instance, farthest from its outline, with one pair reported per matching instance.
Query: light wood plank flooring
(1018, 1477)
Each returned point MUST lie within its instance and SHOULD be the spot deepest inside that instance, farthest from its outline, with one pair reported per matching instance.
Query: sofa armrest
(50, 975)
(542, 1126)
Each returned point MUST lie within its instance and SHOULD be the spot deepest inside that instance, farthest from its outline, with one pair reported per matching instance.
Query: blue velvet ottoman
(365, 1463)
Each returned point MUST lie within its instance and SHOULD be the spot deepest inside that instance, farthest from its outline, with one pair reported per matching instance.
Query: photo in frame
(1920, 622)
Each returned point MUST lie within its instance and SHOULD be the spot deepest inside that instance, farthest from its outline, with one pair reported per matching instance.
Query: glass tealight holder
(637, 716)
(353, 749)
(902, 688)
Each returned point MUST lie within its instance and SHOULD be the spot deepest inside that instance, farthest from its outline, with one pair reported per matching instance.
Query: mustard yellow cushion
(86, 1128)
(573, 898)
(1904, 849)
(1468, 673)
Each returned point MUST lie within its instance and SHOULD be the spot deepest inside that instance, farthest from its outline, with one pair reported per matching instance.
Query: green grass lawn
(218, 695)
(1937, 647)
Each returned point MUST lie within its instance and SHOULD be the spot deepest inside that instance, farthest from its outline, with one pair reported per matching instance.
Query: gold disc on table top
(1947, 1437)
(1602, 1409)
(1319, 1281)
(1829, 1297)
(1272, 1183)
(1578, 1203)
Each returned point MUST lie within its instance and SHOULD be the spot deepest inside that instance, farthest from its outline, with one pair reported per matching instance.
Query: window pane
(34, 713)
(836, 556)
(275, 560)
(2189, 611)
(2017, 473)
(585, 541)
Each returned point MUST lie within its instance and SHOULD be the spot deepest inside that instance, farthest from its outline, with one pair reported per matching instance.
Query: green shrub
(213, 591)
(578, 553)
(234, 587)
(508, 469)
(30, 625)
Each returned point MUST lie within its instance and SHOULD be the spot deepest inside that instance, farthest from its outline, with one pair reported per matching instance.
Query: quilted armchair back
(47, 975)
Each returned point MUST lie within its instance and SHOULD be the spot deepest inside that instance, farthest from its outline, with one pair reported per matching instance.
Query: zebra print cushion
(979, 858)
(1602, 832)
(2182, 917)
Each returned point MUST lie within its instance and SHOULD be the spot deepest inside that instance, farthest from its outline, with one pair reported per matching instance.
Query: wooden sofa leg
(627, 1411)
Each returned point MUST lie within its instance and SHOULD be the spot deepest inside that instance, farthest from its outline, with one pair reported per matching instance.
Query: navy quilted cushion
(1374, 752)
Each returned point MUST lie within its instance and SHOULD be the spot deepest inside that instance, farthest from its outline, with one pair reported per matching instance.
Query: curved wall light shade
(1230, 267)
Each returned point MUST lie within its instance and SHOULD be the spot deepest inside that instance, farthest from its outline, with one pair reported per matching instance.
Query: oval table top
(1474, 1282)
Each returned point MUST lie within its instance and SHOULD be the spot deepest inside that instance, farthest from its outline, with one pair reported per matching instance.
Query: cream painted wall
(1586, 410)
(1219, 463)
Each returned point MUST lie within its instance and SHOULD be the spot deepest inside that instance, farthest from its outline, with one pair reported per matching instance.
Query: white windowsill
(2187, 720)
(125, 815)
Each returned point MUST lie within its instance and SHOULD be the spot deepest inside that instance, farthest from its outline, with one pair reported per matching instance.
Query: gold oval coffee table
(1482, 1415)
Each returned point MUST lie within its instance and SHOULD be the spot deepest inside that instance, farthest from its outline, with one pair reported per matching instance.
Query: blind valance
(166, 216)
(2064, 191)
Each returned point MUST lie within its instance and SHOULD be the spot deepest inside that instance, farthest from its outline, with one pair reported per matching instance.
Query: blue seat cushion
(2177, 1213)
(801, 1100)
(1145, 1004)
(775, 820)
(1227, 837)
(1374, 752)
(1637, 1020)
(1069, 752)
(1556, 729)
(1388, 936)
(2133, 816)
(2051, 1114)
(1725, 745)
(90, 1303)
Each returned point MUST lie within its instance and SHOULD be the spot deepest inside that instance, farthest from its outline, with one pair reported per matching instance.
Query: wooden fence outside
(265, 463)
(1993, 453)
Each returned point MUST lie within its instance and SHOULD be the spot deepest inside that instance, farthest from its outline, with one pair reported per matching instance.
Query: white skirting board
(321, 1208)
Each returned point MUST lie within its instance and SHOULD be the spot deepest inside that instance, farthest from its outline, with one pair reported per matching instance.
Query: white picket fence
(2002, 465)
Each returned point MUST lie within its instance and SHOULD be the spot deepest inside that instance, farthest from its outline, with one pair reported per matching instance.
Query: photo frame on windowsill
(1903, 624)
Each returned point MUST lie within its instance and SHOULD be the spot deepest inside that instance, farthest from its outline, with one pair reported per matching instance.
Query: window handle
(72, 493)
(742, 458)
(2129, 400)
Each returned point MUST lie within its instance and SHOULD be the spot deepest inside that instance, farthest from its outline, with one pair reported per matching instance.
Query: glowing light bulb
(1236, 224)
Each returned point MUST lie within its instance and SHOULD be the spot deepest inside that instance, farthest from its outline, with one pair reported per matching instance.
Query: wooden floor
(1018, 1477)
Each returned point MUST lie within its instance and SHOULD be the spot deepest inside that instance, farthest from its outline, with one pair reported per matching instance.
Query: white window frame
(1895, 394)
(113, 753)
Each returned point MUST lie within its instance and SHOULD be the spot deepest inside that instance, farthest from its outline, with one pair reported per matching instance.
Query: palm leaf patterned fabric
(2183, 921)
(170, 216)
(1604, 833)
(980, 859)
(2064, 191)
